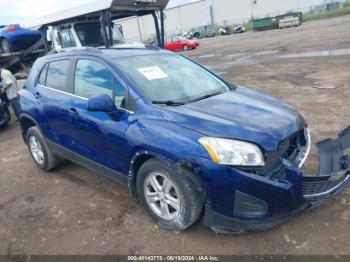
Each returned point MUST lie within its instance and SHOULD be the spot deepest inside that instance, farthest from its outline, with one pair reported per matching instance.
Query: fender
(134, 164)
(24, 128)
(182, 167)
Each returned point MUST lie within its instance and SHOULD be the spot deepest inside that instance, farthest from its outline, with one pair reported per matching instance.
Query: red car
(180, 44)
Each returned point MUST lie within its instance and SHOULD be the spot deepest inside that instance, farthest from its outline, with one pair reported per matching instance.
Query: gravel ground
(74, 211)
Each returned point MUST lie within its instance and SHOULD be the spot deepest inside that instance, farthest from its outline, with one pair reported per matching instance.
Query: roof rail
(84, 48)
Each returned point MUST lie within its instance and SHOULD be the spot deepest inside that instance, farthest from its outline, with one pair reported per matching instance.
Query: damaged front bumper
(253, 210)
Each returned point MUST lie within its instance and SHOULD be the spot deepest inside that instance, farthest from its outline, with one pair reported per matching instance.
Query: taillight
(10, 28)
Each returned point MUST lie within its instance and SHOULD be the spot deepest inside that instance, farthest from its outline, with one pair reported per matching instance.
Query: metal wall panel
(197, 14)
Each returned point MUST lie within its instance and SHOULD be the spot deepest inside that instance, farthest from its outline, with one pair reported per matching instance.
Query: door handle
(72, 109)
(37, 95)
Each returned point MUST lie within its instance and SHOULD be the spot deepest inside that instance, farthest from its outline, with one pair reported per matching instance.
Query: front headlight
(232, 152)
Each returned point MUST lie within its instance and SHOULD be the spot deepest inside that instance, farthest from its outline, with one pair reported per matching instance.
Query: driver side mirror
(101, 103)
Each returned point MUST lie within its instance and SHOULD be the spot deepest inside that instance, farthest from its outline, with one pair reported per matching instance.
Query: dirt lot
(75, 211)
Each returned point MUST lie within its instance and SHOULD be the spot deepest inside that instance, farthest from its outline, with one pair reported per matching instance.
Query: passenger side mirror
(101, 103)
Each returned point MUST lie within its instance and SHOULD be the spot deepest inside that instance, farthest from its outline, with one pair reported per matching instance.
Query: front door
(96, 135)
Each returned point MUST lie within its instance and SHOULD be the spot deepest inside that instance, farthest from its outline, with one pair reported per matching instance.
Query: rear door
(55, 92)
(169, 44)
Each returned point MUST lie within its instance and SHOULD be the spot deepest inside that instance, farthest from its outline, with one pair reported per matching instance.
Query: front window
(90, 34)
(93, 78)
(171, 77)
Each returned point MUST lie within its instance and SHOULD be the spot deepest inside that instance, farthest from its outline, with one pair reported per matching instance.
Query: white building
(208, 12)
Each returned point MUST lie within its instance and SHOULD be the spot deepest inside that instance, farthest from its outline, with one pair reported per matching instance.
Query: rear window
(57, 75)
(90, 34)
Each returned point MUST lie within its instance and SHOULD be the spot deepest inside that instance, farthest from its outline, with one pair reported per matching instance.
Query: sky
(18, 11)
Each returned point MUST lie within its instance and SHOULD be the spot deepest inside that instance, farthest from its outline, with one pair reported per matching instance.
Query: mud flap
(334, 171)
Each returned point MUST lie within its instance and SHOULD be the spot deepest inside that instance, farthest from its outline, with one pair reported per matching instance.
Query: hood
(242, 114)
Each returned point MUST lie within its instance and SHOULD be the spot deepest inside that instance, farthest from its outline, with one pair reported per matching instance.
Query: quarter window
(57, 75)
(119, 95)
(42, 77)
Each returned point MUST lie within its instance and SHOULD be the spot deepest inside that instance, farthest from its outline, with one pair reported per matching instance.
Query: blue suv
(187, 143)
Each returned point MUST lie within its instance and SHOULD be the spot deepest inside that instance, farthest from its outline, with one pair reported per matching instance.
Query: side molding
(83, 161)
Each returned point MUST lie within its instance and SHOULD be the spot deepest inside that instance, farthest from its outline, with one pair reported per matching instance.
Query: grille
(278, 173)
(320, 189)
(296, 143)
(288, 149)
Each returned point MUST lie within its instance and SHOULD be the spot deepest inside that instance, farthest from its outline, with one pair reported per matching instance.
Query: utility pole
(252, 3)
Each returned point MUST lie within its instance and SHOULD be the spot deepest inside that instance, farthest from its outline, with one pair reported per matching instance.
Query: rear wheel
(170, 199)
(186, 47)
(6, 46)
(39, 150)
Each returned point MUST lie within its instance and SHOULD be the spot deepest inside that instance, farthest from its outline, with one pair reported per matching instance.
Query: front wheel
(169, 198)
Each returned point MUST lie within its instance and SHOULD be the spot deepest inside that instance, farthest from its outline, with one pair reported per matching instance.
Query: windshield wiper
(206, 96)
(169, 103)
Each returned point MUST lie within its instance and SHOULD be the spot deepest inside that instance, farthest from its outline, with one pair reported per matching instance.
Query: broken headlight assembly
(233, 152)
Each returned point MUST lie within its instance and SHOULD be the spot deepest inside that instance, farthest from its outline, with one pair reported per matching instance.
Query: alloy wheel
(36, 150)
(162, 196)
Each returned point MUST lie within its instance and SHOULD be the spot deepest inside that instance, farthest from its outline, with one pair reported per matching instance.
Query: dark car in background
(15, 38)
(195, 35)
(210, 33)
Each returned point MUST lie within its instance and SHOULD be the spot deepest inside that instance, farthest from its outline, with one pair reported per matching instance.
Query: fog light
(249, 206)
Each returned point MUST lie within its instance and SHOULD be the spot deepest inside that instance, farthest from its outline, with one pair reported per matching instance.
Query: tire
(176, 205)
(6, 117)
(186, 48)
(6, 46)
(43, 157)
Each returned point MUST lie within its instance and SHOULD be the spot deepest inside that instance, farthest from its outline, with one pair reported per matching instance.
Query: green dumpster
(274, 22)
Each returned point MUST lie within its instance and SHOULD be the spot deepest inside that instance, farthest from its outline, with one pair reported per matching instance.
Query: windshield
(90, 34)
(170, 77)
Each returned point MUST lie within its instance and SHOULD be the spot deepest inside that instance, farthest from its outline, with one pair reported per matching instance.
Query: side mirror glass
(101, 103)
